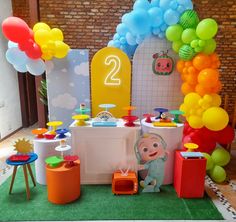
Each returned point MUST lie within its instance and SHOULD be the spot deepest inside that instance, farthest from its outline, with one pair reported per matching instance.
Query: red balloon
(225, 136)
(35, 52)
(26, 45)
(15, 29)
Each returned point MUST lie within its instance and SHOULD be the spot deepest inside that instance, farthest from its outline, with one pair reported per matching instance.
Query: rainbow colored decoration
(193, 40)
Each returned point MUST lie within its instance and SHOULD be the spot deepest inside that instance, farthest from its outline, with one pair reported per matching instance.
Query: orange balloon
(185, 70)
(208, 77)
(202, 90)
(184, 77)
(217, 88)
(192, 79)
(186, 88)
(192, 70)
(202, 61)
(188, 63)
(180, 66)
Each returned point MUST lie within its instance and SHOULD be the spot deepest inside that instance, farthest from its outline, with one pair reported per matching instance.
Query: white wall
(10, 113)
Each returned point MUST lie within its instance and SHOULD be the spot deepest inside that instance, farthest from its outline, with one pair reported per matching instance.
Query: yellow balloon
(199, 112)
(207, 98)
(51, 45)
(215, 118)
(41, 25)
(216, 100)
(57, 34)
(44, 48)
(46, 56)
(195, 122)
(42, 36)
(61, 49)
(191, 100)
(184, 108)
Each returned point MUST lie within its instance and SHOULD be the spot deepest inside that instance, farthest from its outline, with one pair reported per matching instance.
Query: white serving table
(173, 139)
(45, 148)
(103, 150)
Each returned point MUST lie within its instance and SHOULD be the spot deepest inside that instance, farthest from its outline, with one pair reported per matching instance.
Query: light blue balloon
(12, 44)
(122, 29)
(131, 40)
(186, 3)
(171, 17)
(156, 31)
(36, 66)
(141, 4)
(173, 5)
(117, 43)
(180, 9)
(163, 27)
(16, 57)
(130, 50)
(125, 17)
(161, 35)
(110, 43)
(155, 3)
(21, 68)
(139, 39)
(123, 40)
(116, 36)
(165, 4)
(139, 22)
(156, 16)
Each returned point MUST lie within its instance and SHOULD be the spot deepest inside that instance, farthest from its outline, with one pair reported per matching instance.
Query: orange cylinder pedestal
(63, 183)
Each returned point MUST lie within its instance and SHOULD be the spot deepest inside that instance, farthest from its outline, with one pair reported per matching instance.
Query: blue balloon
(139, 39)
(129, 50)
(186, 3)
(156, 31)
(21, 68)
(141, 4)
(139, 22)
(155, 3)
(131, 40)
(164, 4)
(110, 43)
(122, 29)
(156, 16)
(123, 40)
(12, 44)
(117, 43)
(36, 66)
(161, 35)
(116, 36)
(173, 5)
(171, 17)
(180, 9)
(16, 57)
(125, 17)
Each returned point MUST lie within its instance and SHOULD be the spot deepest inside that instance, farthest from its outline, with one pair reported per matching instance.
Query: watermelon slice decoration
(162, 64)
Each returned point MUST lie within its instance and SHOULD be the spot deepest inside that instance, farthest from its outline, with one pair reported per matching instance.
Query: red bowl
(49, 136)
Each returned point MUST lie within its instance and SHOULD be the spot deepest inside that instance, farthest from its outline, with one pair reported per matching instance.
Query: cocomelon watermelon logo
(162, 64)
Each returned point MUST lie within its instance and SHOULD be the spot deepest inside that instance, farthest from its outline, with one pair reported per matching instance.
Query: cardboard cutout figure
(151, 154)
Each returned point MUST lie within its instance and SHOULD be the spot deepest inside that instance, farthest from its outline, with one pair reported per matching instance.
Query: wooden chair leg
(13, 178)
(31, 174)
(26, 182)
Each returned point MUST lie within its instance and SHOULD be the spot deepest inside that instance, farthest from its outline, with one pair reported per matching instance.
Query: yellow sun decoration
(23, 146)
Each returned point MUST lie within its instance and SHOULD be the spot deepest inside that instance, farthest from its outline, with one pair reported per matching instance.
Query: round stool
(63, 183)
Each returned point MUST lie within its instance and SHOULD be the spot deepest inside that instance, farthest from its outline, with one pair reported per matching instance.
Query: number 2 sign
(110, 80)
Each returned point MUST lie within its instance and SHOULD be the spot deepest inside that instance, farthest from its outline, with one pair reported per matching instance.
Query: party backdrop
(155, 81)
(68, 85)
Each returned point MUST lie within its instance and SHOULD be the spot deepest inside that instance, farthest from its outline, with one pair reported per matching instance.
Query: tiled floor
(227, 189)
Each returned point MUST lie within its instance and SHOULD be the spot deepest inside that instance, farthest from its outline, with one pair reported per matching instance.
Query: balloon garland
(193, 40)
(28, 48)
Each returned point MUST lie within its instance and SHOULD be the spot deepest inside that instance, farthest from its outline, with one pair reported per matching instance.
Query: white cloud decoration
(82, 69)
(65, 101)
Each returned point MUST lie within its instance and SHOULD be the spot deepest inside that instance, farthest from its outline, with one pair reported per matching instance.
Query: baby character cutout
(151, 153)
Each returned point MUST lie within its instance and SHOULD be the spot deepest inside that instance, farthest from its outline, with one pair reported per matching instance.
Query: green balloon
(174, 32)
(210, 163)
(188, 35)
(186, 52)
(207, 29)
(217, 174)
(198, 49)
(201, 43)
(189, 19)
(194, 43)
(210, 46)
(220, 156)
(176, 45)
